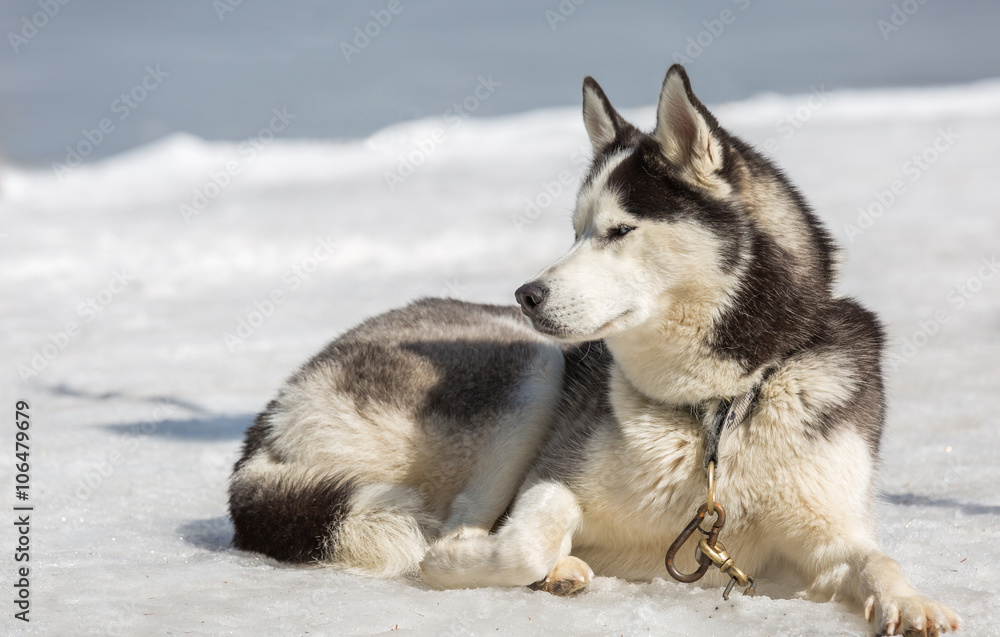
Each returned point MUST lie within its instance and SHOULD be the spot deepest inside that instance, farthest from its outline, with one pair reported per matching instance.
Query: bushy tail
(295, 515)
(386, 532)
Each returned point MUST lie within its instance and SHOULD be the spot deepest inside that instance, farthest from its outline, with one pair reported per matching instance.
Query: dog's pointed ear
(603, 122)
(684, 127)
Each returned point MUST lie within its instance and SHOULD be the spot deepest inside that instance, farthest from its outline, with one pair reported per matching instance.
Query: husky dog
(458, 441)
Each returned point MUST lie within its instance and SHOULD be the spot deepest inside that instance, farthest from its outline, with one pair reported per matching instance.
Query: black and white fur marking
(696, 267)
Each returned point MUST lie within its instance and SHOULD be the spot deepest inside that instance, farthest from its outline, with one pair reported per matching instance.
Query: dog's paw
(910, 615)
(570, 577)
(438, 567)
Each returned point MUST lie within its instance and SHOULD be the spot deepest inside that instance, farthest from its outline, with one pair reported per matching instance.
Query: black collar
(729, 415)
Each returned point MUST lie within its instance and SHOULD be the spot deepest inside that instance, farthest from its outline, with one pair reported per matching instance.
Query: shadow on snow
(207, 429)
(915, 499)
(212, 534)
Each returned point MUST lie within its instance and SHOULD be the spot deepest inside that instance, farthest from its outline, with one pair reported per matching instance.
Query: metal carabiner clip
(704, 562)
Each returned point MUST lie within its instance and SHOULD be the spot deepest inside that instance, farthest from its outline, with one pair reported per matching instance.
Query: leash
(711, 551)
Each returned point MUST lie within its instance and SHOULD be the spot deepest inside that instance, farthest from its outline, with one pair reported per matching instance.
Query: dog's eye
(619, 231)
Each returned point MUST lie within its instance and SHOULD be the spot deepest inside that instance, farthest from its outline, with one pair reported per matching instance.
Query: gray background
(227, 74)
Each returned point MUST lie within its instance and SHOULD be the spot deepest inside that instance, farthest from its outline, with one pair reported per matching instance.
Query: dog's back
(362, 458)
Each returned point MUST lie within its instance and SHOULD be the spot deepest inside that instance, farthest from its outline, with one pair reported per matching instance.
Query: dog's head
(686, 217)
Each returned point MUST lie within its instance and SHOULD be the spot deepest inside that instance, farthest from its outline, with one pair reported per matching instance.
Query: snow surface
(138, 419)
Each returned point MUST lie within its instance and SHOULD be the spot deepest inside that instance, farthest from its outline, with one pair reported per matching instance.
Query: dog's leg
(497, 476)
(489, 491)
(513, 446)
(533, 546)
(842, 562)
(893, 605)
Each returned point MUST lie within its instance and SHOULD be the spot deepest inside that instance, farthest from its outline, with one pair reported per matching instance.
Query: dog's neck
(670, 361)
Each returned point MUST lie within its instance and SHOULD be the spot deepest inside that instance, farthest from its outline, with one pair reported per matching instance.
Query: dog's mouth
(607, 326)
(564, 333)
(549, 328)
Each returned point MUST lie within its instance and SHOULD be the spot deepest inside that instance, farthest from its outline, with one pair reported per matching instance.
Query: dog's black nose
(531, 296)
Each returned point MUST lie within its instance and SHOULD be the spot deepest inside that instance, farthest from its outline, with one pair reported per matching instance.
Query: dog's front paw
(910, 615)
(570, 577)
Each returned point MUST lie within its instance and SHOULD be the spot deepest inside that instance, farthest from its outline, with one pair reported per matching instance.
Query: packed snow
(154, 301)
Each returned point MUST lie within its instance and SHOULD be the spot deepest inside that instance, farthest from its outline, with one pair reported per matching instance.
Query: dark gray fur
(387, 359)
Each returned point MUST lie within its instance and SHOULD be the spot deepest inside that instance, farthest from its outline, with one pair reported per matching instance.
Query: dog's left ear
(602, 121)
(685, 128)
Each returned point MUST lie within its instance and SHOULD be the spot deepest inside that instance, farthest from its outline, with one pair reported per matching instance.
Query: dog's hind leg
(532, 547)
(497, 477)
(489, 491)
(513, 445)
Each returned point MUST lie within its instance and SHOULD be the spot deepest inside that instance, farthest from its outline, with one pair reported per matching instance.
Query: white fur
(538, 536)
(385, 534)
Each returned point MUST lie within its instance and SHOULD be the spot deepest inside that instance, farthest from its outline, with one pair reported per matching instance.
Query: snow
(137, 418)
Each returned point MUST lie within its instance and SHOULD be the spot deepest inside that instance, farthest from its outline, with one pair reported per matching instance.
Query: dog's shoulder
(834, 384)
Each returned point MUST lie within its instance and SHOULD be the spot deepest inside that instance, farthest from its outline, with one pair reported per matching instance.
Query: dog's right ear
(603, 122)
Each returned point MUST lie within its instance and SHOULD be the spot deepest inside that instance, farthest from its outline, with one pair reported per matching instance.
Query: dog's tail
(296, 514)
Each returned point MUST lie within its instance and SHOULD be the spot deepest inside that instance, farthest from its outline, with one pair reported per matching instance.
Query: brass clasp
(711, 551)
(703, 561)
(721, 558)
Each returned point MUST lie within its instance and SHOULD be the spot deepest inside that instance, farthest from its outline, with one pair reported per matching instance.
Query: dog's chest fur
(642, 476)
(642, 480)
